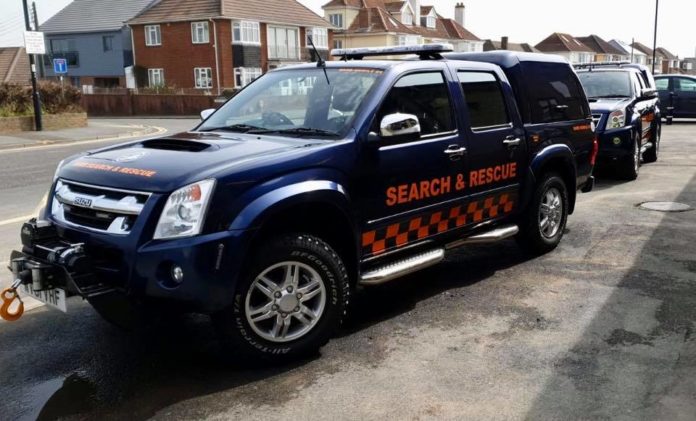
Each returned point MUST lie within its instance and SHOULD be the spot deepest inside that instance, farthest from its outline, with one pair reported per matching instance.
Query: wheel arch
(560, 159)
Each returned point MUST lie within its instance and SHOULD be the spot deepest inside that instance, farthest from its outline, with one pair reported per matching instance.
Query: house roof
(93, 16)
(665, 53)
(425, 10)
(395, 6)
(490, 45)
(344, 3)
(642, 48)
(14, 66)
(599, 45)
(288, 12)
(376, 20)
(557, 42)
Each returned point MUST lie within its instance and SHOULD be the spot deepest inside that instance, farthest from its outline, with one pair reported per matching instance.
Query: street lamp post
(657, 4)
(32, 64)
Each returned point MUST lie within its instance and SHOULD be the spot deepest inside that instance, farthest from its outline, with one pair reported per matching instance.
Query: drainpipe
(217, 63)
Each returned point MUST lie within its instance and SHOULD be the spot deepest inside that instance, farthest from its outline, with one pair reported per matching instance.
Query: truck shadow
(65, 365)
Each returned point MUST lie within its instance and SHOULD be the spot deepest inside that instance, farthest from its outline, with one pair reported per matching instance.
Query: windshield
(606, 84)
(297, 102)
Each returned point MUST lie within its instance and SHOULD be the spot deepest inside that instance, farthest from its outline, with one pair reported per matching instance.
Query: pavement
(98, 129)
(601, 328)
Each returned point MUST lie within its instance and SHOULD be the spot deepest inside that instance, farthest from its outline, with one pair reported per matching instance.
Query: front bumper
(210, 265)
(615, 144)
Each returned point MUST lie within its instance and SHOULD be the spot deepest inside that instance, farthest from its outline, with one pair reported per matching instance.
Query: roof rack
(601, 64)
(425, 51)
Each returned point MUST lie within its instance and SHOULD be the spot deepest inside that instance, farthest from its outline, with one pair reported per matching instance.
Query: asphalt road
(603, 327)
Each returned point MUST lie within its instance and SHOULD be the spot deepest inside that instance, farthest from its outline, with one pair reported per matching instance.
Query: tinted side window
(484, 99)
(685, 85)
(662, 84)
(424, 95)
(555, 93)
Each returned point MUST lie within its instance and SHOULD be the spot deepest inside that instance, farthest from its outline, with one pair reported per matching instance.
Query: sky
(521, 20)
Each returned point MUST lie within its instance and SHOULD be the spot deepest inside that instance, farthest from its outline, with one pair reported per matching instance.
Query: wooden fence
(129, 104)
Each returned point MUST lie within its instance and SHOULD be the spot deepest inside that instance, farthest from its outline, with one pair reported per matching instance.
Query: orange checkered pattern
(418, 228)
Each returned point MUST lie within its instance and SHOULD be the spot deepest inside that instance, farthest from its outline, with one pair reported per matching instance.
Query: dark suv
(310, 181)
(678, 95)
(626, 113)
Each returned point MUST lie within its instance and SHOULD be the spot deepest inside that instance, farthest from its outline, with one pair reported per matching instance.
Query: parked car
(678, 95)
(626, 113)
(310, 181)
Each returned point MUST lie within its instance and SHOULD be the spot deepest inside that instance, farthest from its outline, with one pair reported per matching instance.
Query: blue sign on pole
(60, 66)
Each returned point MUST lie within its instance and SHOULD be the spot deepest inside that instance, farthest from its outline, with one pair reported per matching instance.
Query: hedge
(15, 100)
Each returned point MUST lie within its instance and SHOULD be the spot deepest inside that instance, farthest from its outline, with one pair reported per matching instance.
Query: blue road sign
(60, 66)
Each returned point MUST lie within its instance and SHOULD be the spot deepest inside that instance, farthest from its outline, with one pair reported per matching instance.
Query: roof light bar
(432, 50)
(601, 64)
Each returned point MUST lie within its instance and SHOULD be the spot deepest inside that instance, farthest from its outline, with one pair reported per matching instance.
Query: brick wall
(50, 122)
(178, 55)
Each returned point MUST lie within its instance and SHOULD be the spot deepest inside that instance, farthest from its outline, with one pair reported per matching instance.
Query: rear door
(684, 97)
(497, 149)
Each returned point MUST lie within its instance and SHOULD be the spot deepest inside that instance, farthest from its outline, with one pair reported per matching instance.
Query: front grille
(97, 208)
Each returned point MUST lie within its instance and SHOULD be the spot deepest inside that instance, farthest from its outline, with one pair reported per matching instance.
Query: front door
(406, 187)
(496, 148)
(684, 97)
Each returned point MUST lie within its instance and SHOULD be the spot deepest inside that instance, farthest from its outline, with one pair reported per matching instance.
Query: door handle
(455, 151)
(512, 141)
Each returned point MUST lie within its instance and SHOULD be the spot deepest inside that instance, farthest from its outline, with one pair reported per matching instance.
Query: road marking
(26, 217)
(159, 131)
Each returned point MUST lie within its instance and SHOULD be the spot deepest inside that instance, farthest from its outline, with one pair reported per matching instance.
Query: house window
(282, 43)
(246, 32)
(203, 76)
(409, 40)
(155, 77)
(430, 21)
(108, 43)
(245, 75)
(319, 36)
(199, 33)
(338, 43)
(152, 35)
(407, 19)
(336, 20)
(62, 45)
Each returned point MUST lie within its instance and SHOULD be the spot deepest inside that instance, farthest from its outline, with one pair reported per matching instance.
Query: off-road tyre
(650, 155)
(531, 237)
(629, 167)
(238, 338)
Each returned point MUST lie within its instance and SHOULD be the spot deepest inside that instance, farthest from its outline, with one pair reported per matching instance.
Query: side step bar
(487, 237)
(402, 267)
(431, 257)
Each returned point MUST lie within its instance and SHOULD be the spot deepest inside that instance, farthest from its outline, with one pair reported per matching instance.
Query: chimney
(459, 13)
(504, 43)
(415, 5)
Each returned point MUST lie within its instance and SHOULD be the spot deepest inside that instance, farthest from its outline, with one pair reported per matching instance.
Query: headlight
(185, 210)
(616, 119)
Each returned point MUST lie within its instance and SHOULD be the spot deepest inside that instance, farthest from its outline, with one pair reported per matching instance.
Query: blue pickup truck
(311, 181)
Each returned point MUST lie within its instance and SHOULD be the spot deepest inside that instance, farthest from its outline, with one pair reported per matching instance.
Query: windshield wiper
(243, 128)
(610, 96)
(298, 131)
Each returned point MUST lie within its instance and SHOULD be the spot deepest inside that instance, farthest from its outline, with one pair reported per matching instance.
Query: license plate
(53, 297)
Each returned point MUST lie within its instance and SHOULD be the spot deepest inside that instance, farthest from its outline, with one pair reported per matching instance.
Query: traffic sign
(34, 42)
(60, 66)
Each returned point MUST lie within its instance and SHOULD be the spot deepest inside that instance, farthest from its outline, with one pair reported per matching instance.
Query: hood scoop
(174, 144)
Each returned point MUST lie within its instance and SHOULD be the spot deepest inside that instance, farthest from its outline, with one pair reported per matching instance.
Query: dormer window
(430, 22)
(407, 19)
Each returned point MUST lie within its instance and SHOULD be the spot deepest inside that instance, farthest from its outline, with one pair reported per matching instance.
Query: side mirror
(648, 93)
(397, 125)
(206, 113)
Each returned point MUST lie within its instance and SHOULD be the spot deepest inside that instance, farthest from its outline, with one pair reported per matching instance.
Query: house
(373, 23)
(688, 66)
(567, 46)
(602, 49)
(504, 44)
(14, 66)
(213, 45)
(634, 55)
(93, 38)
(649, 53)
(670, 62)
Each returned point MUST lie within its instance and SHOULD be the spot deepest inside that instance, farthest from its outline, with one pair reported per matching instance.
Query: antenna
(320, 61)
